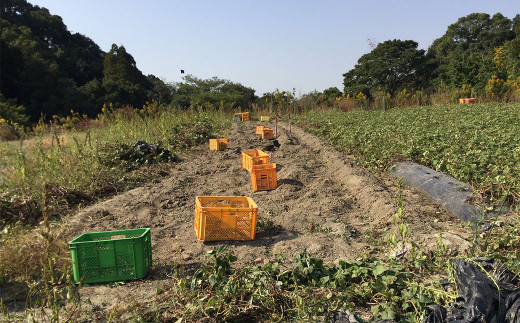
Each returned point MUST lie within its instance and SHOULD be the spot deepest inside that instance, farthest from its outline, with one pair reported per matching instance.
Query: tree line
(479, 53)
(47, 70)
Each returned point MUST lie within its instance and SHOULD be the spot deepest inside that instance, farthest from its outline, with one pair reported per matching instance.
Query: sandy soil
(324, 204)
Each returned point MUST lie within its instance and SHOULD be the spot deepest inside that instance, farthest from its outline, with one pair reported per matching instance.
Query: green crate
(111, 255)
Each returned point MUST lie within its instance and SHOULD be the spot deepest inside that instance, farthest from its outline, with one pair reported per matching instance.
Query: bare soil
(324, 204)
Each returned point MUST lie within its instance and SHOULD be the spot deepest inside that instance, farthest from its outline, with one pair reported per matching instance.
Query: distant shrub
(9, 111)
(502, 90)
(8, 132)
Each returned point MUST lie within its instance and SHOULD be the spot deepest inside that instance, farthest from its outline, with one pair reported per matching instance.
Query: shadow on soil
(261, 239)
(287, 181)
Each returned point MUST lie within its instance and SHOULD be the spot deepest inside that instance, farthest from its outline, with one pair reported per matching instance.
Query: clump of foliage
(35, 268)
(308, 290)
(465, 53)
(12, 119)
(212, 93)
(24, 210)
(130, 157)
(392, 66)
(12, 112)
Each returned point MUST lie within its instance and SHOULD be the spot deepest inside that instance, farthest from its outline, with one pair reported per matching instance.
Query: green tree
(42, 73)
(332, 93)
(81, 59)
(159, 91)
(10, 72)
(328, 96)
(39, 85)
(510, 54)
(120, 65)
(123, 82)
(391, 66)
(50, 71)
(10, 111)
(464, 54)
(212, 92)
(95, 94)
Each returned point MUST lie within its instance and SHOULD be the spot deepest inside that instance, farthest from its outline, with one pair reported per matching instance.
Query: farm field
(389, 192)
(476, 143)
(325, 206)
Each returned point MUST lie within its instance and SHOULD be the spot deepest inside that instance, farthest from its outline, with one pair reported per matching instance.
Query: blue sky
(263, 44)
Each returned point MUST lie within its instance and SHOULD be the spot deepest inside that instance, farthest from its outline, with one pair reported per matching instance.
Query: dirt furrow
(324, 204)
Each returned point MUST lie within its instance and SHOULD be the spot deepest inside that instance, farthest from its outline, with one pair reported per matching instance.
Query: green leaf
(213, 280)
(388, 314)
(324, 280)
(379, 269)
(388, 279)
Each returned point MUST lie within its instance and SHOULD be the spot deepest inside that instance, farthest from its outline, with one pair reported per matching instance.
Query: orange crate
(254, 157)
(263, 177)
(259, 130)
(218, 144)
(246, 116)
(467, 100)
(220, 218)
(267, 133)
(243, 116)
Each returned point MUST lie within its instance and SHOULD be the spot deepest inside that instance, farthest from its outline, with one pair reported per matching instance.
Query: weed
(267, 226)
(4, 311)
(304, 292)
(400, 238)
(350, 232)
(440, 253)
(481, 239)
(314, 227)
